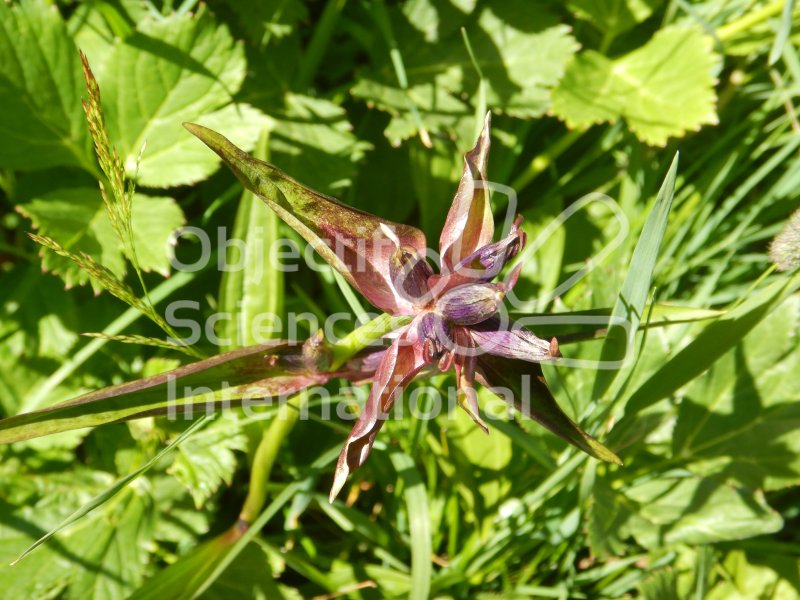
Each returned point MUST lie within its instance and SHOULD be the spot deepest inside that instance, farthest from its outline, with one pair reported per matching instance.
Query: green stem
(748, 20)
(543, 161)
(360, 338)
(323, 32)
(381, 16)
(267, 452)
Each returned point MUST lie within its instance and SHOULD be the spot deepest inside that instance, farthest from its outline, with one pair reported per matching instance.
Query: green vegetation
(375, 103)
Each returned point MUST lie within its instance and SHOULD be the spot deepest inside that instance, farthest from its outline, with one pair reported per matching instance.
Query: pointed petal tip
(193, 128)
(216, 141)
(603, 453)
(339, 480)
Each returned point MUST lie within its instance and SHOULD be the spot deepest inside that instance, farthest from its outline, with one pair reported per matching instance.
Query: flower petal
(355, 243)
(531, 396)
(510, 341)
(400, 364)
(484, 264)
(471, 303)
(469, 224)
(246, 375)
(466, 361)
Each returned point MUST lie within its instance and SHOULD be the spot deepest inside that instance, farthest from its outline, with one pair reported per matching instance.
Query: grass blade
(106, 495)
(633, 296)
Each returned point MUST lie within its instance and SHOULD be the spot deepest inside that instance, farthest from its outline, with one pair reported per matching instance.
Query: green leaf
(632, 297)
(663, 89)
(118, 551)
(112, 491)
(38, 317)
(419, 524)
(41, 123)
(521, 59)
(694, 510)
(757, 574)
(613, 17)
(207, 460)
(213, 384)
(170, 70)
(77, 219)
(742, 417)
(715, 340)
(253, 285)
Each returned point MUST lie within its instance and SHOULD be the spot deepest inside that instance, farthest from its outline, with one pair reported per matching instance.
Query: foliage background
(374, 102)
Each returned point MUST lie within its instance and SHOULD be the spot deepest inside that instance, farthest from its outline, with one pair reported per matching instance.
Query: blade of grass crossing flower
(631, 301)
(109, 493)
(351, 298)
(480, 105)
(419, 525)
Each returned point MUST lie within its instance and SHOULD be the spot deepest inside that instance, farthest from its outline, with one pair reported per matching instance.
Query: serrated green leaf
(118, 551)
(112, 491)
(170, 70)
(207, 460)
(663, 89)
(613, 17)
(41, 123)
(37, 317)
(77, 219)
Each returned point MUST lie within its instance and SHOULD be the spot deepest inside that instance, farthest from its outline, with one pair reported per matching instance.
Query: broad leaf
(77, 218)
(41, 122)
(521, 50)
(663, 89)
(170, 70)
(694, 510)
(207, 460)
(613, 17)
(742, 418)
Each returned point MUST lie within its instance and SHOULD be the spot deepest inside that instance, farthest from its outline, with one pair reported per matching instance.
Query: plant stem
(360, 338)
(748, 20)
(266, 453)
(318, 45)
(542, 161)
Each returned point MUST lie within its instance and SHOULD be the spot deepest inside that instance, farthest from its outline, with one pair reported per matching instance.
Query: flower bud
(471, 303)
(784, 252)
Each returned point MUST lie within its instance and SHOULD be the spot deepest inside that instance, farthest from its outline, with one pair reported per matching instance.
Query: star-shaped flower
(456, 314)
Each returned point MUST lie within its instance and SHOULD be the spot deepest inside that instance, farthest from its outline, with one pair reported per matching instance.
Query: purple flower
(455, 314)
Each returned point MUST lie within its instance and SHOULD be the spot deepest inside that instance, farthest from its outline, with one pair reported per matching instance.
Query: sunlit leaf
(663, 89)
